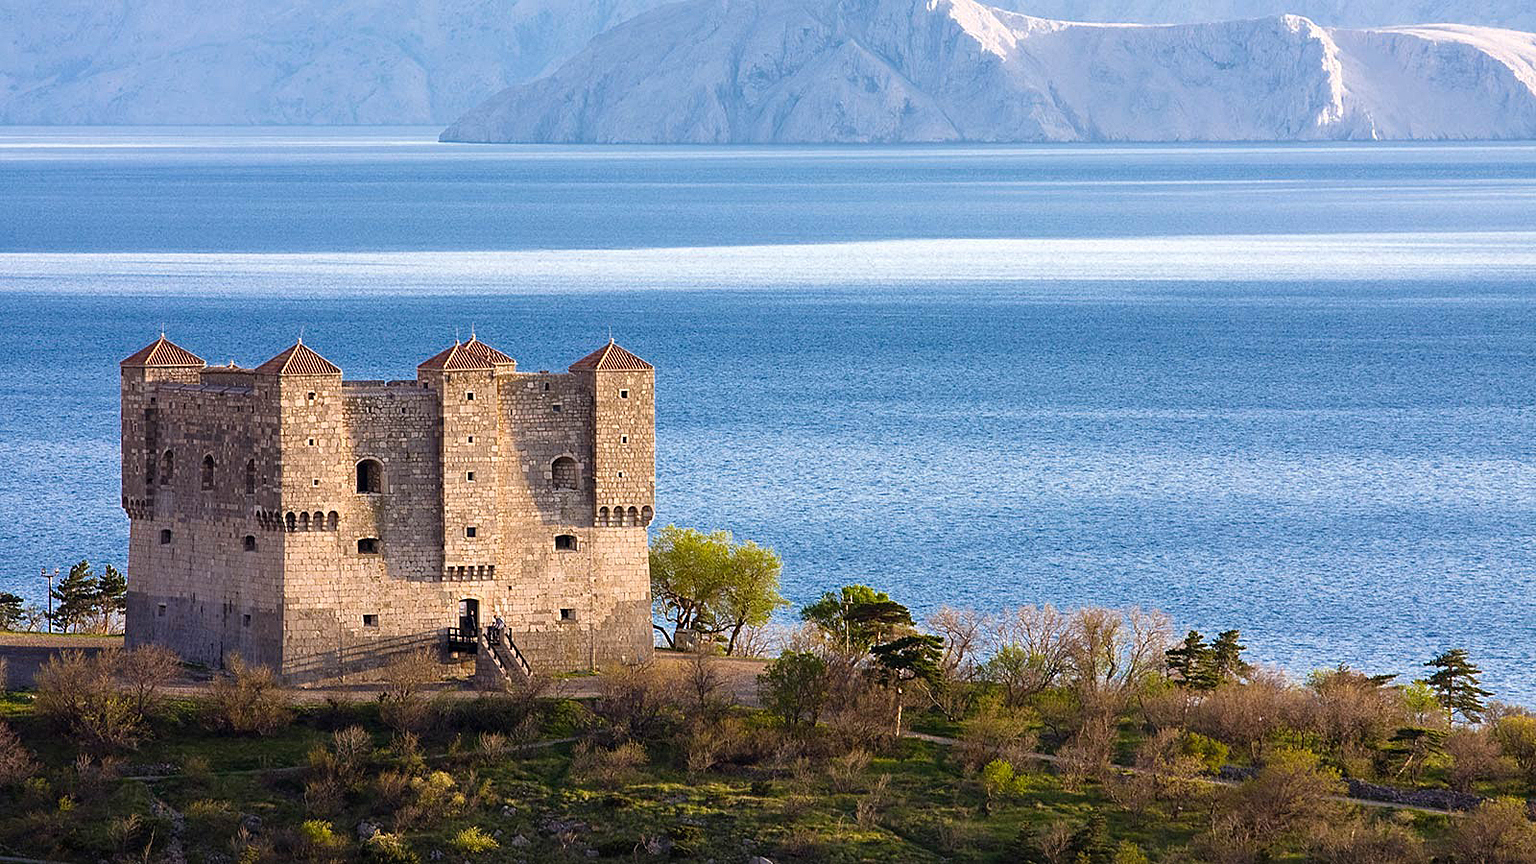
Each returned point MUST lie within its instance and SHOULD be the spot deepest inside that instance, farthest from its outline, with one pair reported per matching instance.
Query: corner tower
(623, 389)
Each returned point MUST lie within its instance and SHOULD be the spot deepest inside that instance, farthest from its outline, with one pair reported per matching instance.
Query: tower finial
(301, 334)
(471, 332)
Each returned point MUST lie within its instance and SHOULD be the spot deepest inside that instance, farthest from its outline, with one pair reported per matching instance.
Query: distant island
(868, 71)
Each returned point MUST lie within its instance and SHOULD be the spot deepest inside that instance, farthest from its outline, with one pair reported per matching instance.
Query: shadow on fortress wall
(25, 653)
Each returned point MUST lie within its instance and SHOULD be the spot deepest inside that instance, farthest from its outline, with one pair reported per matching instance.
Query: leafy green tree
(909, 658)
(111, 596)
(795, 687)
(858, 616)
(1191, 663)
(1227, 657)
(706, 583)
(75, 598)
(12, 610)
(1455, 684)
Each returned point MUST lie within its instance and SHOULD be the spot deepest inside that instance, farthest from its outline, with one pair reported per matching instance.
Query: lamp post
(48, 622)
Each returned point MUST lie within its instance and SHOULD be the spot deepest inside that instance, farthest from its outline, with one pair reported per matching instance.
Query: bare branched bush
(1111, 655)
(147, 671)
(492, 746)
(403, 702)
(1475, 757)
(845, 773)
(353, 751)
(246, 698)
(874, 802)
(16, 762)
(1498, 832)
(704, 686)
(636, 701)
(1287, 798)
(605, 766)
(1086, 755)
(1348, 709)
(1358, 841)
(1051, 844)
(1244, 715)
(77, 693)
(1029, 650)
(963, 632)
(1168, 773)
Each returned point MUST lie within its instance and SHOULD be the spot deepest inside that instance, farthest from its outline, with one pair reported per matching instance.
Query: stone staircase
(498, 663)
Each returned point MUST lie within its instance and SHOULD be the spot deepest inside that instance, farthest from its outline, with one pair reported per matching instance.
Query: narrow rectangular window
(555, 407)
(315, 482)
(623, 439)
(311, 396)
(621, 473)
(160, 611)
(623, 394)
(471, 439)
(470, 531)
(469, 396)
(370, 620)
(245, 620)
(311, 442)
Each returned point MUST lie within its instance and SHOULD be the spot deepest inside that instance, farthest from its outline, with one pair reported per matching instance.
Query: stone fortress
(322, 527)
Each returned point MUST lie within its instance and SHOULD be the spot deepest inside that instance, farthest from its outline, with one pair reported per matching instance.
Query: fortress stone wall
(323, 526)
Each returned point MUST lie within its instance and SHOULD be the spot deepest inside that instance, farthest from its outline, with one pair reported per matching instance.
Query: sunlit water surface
(1287, 389)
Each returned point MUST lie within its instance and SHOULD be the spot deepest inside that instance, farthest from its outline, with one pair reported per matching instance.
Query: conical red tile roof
(298, 360)
(163, 352)
(485, 352)
(610, 358)
(458, 358)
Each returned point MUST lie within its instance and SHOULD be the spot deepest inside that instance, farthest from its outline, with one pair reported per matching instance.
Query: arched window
(303, 521)
(292, 520)
(645, 515)
(250, 543)
(167, 467)
(250, 477)
(370, 477)
(618, 517)
(331, 521)
(564, 473)
(208, 472)
(602, 516)
(317, 522)
(565, 542)
(634, 517)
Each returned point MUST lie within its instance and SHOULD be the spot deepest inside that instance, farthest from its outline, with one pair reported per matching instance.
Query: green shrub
(473, 841)
(1211, 753)
(384, 848)
(794, 688)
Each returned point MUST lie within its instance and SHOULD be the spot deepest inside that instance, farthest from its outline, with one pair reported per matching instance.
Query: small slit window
(565, 542)
(469, 476)
(621, 473)
(310, 397)
(165, 536)
(471, 531)
(370, 620)
(160, 611)
(471, 439)
(249, 543)
(623, 439)
(245, 620)
(315, 482)
(555, 407)
(207, 472)
(311, 442)
(567, 614)
(368, 546)
(623, 394)
(469, 396)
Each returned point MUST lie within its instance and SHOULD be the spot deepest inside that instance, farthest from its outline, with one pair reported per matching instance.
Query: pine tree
(12, 608)
(111, 596)
(1456, 686)
(1091, 843)
(75, 598)
(1191, 663)
(1227, 657)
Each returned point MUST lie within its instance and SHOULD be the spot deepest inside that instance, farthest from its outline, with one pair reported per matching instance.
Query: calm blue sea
(1289, 389)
